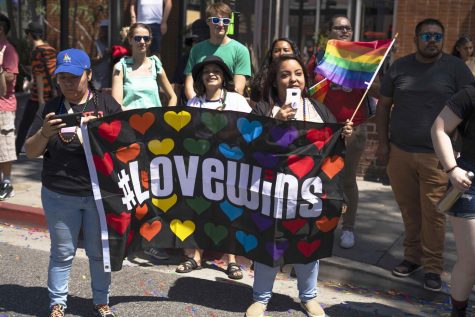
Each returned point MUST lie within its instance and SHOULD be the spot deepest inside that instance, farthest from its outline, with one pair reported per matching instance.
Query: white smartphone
(293, 97)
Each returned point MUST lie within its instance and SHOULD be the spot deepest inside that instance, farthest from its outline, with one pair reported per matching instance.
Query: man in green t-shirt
(234, 54)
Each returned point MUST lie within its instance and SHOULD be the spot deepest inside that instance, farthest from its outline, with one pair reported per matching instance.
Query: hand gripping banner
(227, 181)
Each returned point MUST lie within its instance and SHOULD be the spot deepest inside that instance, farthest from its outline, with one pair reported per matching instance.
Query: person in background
(43, 61)
(460, 108)
(342, 102)
(413, 92)
(8, 104)
(101, 58)
(155, 15)
(278, 47)
(66, 192)
(463, 48)
(213, 83)
(288, 71)
(234, 54)
(137, 79)
(123, 49)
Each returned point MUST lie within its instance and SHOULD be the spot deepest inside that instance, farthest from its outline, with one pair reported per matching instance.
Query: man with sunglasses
(155, 14)
(234, 54)
(413, 92)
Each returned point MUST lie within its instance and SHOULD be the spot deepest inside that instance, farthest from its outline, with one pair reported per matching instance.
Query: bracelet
(44, 135)
(450, 169)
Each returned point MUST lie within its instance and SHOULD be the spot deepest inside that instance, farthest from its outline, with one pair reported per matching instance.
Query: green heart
(216, 233)
(198, 147)
(198, 204)
(214, 122)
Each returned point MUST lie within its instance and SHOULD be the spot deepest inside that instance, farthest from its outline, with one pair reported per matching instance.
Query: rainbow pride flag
(319, 90)
(352, 64)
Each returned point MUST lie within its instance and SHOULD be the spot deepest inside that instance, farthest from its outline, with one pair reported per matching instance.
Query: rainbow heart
(233, 153)
(231, 211)
(141, 211)
(215, 232)
(162, 147)
(198, 147)
(277, 249)
(182, 229)
(307, 248)
(325, 224)
(110, 131)
(214, 122)
(119, 222)
(294, 225)
(128, 153)
(104, 164)
(300, 166)
(319, 137)
(142, 123)
(248, 241)
(333, 165)
(250, 130)
(284, 136)
(150, 230)
(165, 203)
(198, 204)
(177, 120)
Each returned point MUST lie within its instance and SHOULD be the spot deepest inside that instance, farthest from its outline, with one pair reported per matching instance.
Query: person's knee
(63, 254)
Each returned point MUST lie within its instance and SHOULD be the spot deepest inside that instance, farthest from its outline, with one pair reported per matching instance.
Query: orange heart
(144, 179)
(149, 231)
(141, 123)
(126, 154)
(332, 165)
(326, 225)
(141, 211)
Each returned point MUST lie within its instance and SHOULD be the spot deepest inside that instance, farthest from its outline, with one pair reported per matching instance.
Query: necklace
(63, 105)
(222, 100)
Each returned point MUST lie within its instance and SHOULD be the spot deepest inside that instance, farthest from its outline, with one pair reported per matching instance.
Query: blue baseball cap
(72, 61)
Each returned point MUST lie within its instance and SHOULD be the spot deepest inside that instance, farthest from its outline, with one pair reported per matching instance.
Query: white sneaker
(347, 239)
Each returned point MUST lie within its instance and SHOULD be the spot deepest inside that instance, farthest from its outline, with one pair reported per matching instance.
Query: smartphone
(71, 119)
(293, 97)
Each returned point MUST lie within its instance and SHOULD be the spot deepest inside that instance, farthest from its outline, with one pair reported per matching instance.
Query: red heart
(141, 211)
(110, 131)
(300, 166)
(142, 123)
(119, 223)
(294, 225)
(307, 248)
(319, 137)
(103, 164)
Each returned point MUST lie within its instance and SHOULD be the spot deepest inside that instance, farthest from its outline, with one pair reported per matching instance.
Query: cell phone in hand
(71, 119)
(293, 97)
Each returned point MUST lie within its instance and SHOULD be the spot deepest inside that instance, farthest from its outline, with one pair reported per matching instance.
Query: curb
(22, 215)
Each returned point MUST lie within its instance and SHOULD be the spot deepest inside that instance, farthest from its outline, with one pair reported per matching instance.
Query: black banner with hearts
(227, 181)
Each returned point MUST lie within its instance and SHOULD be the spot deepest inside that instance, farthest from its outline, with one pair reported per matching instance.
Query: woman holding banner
(288, 71)
(66, 193)
(214, 88)
(461, 108)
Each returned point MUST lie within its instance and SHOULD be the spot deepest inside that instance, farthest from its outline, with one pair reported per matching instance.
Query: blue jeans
(65, 214)
(156, 37)
(264, 277)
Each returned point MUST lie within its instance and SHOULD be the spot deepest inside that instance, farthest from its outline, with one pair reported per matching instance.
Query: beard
(429, 51)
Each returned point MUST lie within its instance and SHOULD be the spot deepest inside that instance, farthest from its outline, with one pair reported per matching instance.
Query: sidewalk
(379, 235)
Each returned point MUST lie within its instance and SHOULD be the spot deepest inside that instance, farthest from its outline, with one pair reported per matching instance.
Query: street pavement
(354, 282)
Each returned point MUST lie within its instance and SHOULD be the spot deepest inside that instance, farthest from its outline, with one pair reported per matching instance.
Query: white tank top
(149, 11)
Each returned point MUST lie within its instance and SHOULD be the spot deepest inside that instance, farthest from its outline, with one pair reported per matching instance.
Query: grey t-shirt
(419, 92)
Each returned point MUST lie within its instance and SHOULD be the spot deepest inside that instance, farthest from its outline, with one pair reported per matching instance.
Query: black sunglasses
(429, 35)
(138, 38)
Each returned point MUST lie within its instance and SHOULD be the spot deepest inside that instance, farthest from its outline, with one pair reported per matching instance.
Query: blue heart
(248, 241)
(230, 152)
(231, 211)
(249, 130)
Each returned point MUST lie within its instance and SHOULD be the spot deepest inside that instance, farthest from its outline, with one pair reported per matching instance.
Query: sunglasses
(216, 20)
(428, 35)
(138, 38)
(343, 28)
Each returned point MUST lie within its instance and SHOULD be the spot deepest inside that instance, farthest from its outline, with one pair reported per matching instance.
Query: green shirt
(234, 54)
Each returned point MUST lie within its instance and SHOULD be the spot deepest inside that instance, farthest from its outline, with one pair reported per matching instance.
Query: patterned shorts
(7, 136)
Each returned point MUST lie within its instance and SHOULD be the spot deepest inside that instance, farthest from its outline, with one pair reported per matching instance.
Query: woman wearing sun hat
(66, 191)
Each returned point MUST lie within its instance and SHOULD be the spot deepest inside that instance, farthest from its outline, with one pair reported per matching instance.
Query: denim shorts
(464, 207)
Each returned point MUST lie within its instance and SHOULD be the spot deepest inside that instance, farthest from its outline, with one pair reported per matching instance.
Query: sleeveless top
(140, 91)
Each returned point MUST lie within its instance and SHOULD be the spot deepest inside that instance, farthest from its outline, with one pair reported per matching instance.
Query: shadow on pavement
(367, 309)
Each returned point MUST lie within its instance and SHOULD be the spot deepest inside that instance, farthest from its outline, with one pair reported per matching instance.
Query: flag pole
(374, 76)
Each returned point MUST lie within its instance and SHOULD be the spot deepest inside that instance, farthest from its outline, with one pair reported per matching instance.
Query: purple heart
(277, 249)
(262, 222)
(284, 136)
(265, 159)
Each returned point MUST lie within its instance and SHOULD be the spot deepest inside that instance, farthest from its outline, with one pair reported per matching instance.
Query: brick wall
(458, 17)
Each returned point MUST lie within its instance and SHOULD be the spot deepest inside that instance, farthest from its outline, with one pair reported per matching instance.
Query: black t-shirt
(419, 92)
(463, 105)
(64, 165)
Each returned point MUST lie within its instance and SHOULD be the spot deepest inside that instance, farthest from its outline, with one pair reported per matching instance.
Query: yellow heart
(161, 147)
(182, 229)
(177, 120)
(166, 203)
